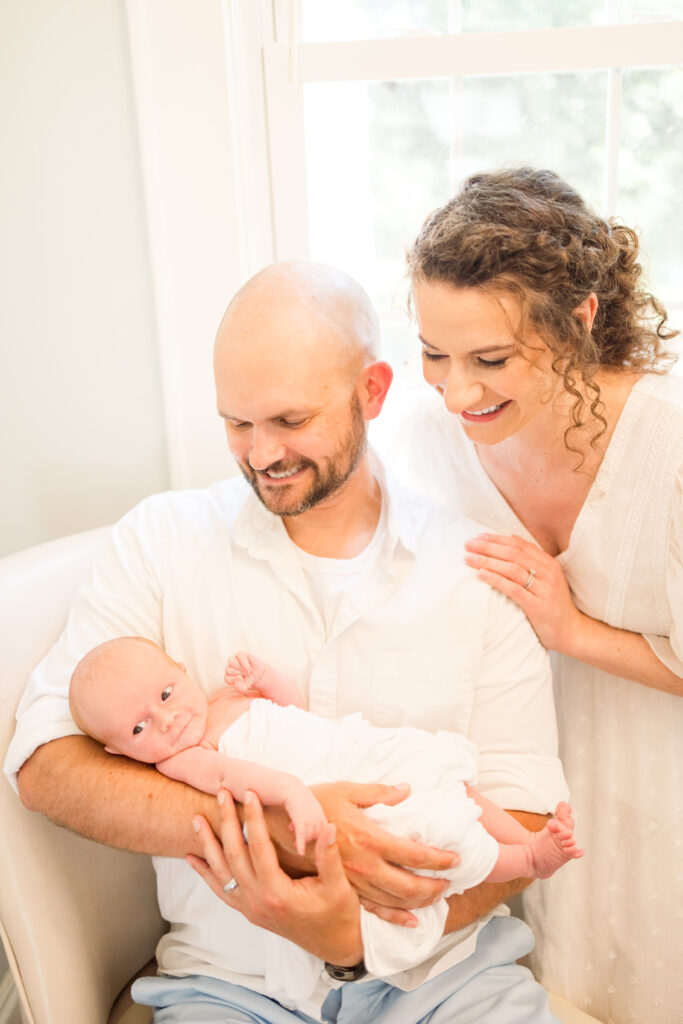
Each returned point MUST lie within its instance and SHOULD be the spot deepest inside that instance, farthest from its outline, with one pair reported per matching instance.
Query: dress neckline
(597, 490)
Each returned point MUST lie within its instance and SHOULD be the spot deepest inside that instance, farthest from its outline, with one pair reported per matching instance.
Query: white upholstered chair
(77, 919)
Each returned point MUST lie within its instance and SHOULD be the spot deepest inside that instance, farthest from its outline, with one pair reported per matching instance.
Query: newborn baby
(132, 697)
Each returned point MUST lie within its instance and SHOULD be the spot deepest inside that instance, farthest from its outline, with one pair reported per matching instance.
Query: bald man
(322, 565)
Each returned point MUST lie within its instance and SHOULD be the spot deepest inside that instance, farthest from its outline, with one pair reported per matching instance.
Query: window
(391, 104)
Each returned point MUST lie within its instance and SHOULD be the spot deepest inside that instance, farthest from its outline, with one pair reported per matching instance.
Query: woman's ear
(587, 309)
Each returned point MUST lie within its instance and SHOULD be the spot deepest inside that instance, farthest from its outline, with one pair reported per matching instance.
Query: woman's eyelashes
(492, 363)
(435, 357)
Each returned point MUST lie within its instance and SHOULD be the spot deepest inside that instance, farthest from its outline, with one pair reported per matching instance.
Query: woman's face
(471, 355)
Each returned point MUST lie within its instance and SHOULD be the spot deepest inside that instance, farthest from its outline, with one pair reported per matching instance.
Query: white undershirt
(331, 578)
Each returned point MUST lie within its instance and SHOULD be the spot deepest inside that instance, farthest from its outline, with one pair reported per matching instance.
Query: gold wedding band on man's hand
(532, 573)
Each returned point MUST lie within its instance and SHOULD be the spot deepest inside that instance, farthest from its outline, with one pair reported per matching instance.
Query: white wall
(81, 419)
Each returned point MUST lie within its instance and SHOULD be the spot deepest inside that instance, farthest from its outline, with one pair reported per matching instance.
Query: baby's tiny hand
(306, 816)
(243, 671)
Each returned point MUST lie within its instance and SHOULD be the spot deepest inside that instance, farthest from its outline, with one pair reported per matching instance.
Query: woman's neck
(544, 482)
(542, 445)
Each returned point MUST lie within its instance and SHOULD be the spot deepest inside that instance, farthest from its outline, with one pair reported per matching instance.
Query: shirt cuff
(529, 782)
(27, 740)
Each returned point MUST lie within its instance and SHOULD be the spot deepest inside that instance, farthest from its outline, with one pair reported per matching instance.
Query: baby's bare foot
(556, 844)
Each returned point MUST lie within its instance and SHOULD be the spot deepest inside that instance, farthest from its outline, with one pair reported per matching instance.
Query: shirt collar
(263, 534)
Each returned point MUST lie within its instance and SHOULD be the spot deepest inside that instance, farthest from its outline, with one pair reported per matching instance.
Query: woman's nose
(460, 394)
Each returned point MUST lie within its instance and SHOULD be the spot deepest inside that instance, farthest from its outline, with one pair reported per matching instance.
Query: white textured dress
(609, 930)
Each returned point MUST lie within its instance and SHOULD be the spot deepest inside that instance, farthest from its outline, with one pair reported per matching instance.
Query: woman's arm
(506, 563)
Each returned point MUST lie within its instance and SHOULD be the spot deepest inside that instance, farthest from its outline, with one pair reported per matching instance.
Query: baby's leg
(497, 822)
(542, 853)
(247, 672)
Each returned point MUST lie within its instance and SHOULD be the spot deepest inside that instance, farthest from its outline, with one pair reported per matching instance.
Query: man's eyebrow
(475, 351)
(284, 415)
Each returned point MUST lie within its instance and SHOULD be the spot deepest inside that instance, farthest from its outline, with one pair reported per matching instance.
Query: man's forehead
(257, 408)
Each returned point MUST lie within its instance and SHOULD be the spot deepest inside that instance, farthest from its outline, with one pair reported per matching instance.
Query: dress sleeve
(513, 719)
(669, 649)
(121, 598)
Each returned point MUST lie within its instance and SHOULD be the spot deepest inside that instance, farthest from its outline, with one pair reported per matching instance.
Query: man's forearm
(469, 906)
(113, 800)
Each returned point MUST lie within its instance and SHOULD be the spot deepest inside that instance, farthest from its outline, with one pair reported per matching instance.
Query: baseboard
(9, 1001)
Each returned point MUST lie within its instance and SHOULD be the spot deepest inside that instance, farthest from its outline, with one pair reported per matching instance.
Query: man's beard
(326, 480)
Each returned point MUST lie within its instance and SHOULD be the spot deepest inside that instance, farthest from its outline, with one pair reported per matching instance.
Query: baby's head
(128, 694)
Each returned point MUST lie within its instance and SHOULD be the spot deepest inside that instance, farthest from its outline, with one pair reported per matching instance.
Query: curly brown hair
(528, 232)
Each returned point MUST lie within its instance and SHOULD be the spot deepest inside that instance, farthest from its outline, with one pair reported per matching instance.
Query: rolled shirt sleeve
(513, 719)
(121, 597)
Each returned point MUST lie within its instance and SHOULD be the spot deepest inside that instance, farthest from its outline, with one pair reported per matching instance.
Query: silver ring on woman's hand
(532, 573)
(230, 886)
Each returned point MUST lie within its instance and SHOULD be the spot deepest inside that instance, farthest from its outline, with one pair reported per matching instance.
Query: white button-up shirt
(206, 573)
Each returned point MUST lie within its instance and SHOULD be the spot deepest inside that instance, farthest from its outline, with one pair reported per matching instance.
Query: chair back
(77, 919)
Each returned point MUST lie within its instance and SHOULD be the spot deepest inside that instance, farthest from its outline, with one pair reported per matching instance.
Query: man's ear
(110, 750)
(374, 382)
(587, 309)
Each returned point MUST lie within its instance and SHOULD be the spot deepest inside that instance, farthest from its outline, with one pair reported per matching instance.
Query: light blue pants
(488, 988)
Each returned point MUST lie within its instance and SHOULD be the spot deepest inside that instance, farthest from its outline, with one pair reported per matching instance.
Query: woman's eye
(492, 362)
(137, 729)
(433, 357)
(165, 694)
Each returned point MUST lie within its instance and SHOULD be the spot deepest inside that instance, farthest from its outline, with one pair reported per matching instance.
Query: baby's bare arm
(245, 671)
(210, 771)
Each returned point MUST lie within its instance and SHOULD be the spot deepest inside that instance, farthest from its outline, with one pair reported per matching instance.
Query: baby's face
(151, 710)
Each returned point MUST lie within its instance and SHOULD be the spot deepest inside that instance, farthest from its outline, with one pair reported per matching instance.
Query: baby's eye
(137, 729)
(165, 694)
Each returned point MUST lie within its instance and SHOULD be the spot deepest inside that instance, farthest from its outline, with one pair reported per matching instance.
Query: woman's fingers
(510, 558)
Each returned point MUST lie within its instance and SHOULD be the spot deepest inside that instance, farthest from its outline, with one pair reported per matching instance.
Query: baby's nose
(166, 720)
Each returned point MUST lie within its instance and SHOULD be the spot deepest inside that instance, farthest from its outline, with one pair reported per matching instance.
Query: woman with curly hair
(558, 427)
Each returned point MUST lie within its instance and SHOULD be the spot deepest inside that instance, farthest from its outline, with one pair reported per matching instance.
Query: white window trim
(610, 47)
(219, 105)
(199, 101)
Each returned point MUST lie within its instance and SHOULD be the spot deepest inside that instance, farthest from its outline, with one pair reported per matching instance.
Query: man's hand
(378, 864)
(319, 913)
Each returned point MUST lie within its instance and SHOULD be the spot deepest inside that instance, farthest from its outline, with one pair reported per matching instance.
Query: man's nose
(460, 393)
(266, 448)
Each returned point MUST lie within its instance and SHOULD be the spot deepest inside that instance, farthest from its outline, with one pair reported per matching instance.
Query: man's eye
(165, 694)
(137, 729)
(293, 424)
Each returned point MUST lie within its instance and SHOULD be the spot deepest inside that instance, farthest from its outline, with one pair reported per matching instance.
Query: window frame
(221, 204)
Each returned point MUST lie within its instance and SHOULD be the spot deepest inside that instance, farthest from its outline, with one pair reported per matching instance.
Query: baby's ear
(110, 750)
(181, 665)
